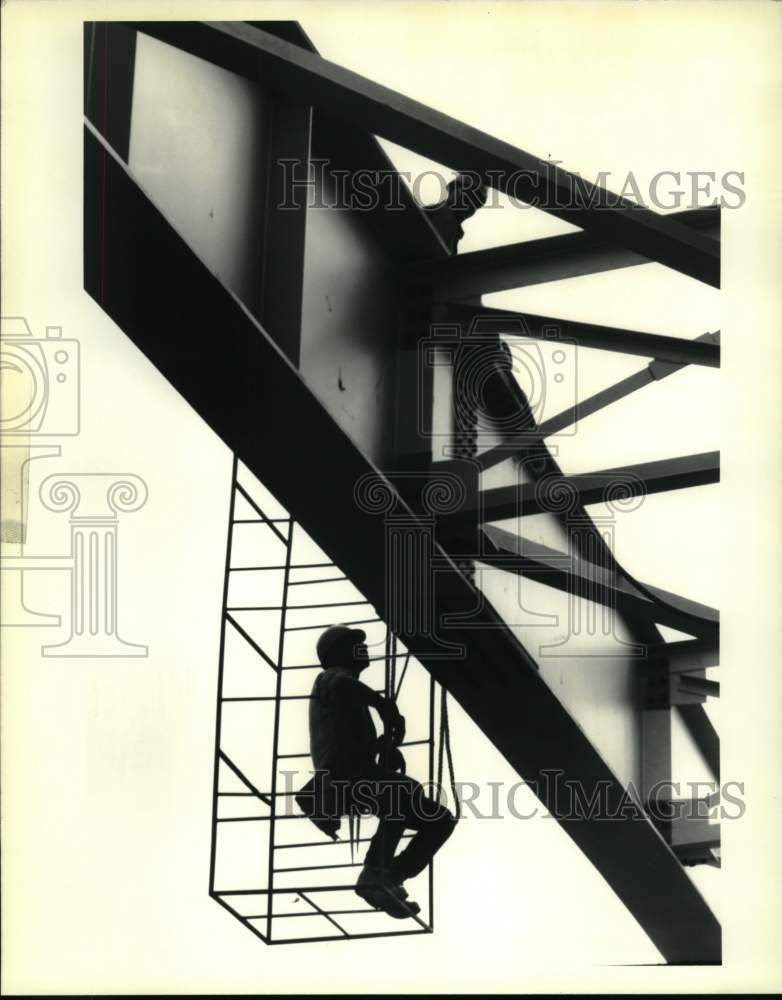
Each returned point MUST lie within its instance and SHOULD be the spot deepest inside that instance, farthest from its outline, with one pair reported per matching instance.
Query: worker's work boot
(375, 887)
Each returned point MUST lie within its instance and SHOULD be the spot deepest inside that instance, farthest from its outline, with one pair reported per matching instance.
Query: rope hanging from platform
(445, 750)
(445, 746)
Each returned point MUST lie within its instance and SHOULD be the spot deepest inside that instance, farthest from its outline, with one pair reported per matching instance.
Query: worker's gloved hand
(398, 729)
(394, 722)
(396, 760)
(389, 755)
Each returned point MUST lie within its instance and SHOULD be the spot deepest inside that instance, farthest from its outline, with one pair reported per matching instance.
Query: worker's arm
(393, 721)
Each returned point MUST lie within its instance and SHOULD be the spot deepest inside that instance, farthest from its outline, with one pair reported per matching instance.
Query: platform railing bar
(239, 917)
(408, 743)
(259, 819)
(269, 697)
(256, 508)
(317, 868)
(242, 777)
(278, 890)
(318, 666)
(258, 569)
(262, 520)
(323, 913)
(284, 916)
(248, 638)
(298, 607)
(360, 621)
(353, 937)
(330, 843)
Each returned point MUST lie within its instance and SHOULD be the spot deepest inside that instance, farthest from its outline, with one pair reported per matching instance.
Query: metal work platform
(271, 867)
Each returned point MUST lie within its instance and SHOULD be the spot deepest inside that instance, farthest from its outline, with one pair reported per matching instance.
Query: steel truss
(156, 289)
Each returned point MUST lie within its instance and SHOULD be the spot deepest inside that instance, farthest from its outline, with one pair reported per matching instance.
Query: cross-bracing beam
(603, 338)
(513, 553)
(702, 730)
(535, 262)
(596, 487)
(654, 372)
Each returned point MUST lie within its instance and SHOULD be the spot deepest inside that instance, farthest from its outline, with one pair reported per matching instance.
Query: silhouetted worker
(344, 744)
(464, 195)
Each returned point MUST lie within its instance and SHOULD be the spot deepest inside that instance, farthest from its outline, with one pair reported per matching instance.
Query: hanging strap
(445, 747)
(354, 831)
(401, 679)
(392, 692)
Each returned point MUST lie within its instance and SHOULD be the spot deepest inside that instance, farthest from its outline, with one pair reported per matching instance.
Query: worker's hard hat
(334, 635)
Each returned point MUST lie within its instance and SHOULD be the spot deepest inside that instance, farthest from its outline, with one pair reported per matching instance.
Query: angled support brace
(534, 262)
(524, 557)
(654, 372)
(603, 338)
(596, 487)
(704, 734)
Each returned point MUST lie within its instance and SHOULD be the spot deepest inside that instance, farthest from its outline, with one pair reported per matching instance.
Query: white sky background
(107, 765)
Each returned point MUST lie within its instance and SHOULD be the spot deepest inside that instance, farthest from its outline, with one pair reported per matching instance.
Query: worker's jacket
(343, 738)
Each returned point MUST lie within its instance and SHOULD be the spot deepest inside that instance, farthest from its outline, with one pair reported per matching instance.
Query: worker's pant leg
(433, 825)
(383, 845)
(401, 803)
(376, 793)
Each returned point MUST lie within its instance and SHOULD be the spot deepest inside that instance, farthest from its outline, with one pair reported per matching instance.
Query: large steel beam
(112, 78)
(513, 553)
(604, 338)
(213, 351)
(535, 262)
(596, 487)
(313, 80)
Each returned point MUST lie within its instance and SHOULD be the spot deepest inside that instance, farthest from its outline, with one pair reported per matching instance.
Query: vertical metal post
(219, 714)
(431, 780)
(275, 755)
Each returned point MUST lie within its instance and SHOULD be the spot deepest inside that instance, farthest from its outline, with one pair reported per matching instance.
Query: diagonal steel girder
(213, 351)
(535, 262)
(603, 338)
(623, 482)
(313, 80)
(514, 553)
(655, 371)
